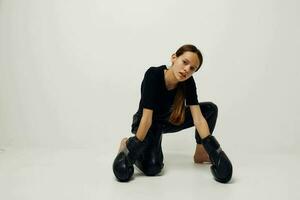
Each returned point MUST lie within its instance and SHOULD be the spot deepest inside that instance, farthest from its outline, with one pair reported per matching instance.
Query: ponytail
(177, 115)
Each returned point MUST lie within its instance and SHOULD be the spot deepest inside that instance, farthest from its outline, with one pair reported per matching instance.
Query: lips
(182, 74)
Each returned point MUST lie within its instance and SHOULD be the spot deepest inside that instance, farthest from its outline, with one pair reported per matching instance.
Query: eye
(184, 62)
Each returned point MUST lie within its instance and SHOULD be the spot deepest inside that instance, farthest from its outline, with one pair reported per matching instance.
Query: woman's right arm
(145, 124)
(123, 163)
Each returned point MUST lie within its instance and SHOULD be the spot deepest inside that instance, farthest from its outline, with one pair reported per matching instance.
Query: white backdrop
(70, 71)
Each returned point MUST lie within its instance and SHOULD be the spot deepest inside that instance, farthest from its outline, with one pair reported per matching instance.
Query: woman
(169, 104)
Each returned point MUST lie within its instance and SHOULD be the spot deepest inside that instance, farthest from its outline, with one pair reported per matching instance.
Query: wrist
(134, 148)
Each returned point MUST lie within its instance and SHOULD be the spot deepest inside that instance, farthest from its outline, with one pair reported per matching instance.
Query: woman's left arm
(199, 121)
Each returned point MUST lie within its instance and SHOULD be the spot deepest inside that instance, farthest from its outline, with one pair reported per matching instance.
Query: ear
(173, 58)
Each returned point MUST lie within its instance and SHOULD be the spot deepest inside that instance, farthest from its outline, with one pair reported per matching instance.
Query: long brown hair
(177, 115)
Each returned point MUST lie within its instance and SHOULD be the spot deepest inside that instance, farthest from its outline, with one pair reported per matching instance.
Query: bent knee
(153, 170)
(212, 106)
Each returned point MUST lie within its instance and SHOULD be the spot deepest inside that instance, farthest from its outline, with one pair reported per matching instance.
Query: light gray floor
(60, 174)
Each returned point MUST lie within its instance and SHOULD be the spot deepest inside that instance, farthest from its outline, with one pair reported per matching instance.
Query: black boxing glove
(221, 166)
(123, 163)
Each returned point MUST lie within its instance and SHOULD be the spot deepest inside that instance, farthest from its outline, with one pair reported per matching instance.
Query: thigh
(207, 109)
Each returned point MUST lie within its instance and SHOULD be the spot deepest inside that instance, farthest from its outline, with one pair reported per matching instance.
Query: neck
(170, 79)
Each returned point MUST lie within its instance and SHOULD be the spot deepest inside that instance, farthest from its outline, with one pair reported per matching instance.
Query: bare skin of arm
(201, 125)
(145, 124)
(143, 128)
(199, 121)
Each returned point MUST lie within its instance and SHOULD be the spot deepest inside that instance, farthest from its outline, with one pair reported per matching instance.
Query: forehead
(191, 57)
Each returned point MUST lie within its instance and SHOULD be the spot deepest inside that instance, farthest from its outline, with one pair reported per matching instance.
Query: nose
(187, 69)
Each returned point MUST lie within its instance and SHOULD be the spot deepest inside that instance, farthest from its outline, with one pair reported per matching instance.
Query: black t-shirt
(155, 96)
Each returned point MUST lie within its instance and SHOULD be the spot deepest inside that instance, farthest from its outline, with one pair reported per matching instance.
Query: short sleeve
(191, 96)
(150, 89)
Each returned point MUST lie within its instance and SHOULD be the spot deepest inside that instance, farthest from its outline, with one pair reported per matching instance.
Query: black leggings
(209, 111)
(150, 162)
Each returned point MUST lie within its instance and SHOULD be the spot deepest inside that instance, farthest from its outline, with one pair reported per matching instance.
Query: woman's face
(185, 65)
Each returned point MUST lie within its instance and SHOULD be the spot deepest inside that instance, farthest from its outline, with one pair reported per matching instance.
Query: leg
(221, 166)
(210, 113)
(150, 162)
(128, 153)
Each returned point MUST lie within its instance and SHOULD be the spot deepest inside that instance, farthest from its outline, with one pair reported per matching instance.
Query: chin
(181, 79)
